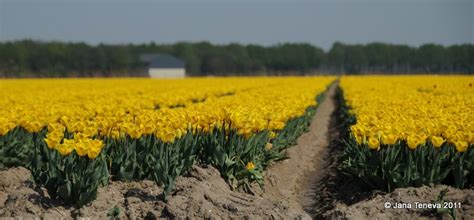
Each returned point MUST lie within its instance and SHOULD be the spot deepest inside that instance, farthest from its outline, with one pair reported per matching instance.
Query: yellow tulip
(374, 143)
(437, 141)
(461, 146)
(81, 147)
(250, 166)
(66, 148)
(94, 148)
(51, 143)
(33, 126)
(412, 142)
(389, 139)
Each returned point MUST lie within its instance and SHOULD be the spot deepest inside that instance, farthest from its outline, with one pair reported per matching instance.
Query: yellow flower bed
(92, 109)
(415, 109)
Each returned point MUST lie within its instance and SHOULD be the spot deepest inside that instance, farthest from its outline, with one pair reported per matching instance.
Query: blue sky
(265, 22)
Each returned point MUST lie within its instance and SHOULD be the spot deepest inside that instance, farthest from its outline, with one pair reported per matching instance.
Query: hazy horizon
(320, 23)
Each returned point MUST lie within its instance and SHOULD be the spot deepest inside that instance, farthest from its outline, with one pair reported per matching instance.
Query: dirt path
(202, 194)
(292, 179)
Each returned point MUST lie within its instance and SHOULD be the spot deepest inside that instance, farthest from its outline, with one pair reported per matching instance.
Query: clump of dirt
(375, 207)
(11, 184)
(13, 177)
(204, 194)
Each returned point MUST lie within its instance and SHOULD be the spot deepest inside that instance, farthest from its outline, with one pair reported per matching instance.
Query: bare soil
(291, 180)
(374, 208)
(201, 194)
(303, 187)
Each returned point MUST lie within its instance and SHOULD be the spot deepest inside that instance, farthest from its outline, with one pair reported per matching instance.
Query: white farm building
(164, 66)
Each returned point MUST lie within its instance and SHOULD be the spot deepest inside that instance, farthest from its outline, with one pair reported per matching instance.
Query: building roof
(162, 61)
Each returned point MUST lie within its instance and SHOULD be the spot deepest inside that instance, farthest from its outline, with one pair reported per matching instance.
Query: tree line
(28, 58)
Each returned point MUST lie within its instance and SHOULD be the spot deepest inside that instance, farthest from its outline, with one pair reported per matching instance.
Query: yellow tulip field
(77, 134)
(410, 130)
